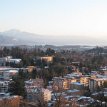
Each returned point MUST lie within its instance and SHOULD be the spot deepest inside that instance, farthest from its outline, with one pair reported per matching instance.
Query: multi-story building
(60, 83)
(46, 94)
(39, 83)
(84, 80)
(35, 90)
(95, 83)
(7, 73)
(4, 86)
(70, 80)
(47, 58)
(38, 94)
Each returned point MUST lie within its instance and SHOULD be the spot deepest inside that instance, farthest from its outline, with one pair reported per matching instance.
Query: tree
(105, 84)
(50, 51)
(17, 85)
(34, 73)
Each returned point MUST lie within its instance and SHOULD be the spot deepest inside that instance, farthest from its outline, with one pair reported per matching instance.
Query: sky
(55, 17)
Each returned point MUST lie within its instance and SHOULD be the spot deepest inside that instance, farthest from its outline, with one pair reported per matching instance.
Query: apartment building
(4, 86)
(60, 83)
(84, 80)
(47, 58)
(46, 94)
(95, 83)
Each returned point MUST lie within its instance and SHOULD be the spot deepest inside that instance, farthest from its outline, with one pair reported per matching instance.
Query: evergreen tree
(17, 85)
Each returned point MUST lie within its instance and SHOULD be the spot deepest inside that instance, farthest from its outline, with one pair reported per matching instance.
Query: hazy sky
(55, 17)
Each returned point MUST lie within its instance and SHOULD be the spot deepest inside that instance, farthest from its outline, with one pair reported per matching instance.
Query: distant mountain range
(25, 39)
(16, 37)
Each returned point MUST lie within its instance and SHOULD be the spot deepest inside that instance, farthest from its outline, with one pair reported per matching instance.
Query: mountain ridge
(17, 37)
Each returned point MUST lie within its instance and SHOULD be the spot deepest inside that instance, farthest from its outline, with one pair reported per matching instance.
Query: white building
(35, 90)
(35, 94)
(16, 61)
(4, 86)
(96, 83)
(7, 73)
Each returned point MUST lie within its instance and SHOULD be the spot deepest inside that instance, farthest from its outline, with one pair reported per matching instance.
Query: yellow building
(46, 94)
(84, 80)
(31, 68)
(60, 83)
(47, 58)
